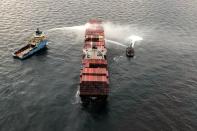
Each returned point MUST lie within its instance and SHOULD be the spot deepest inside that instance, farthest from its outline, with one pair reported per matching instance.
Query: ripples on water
(154, 91)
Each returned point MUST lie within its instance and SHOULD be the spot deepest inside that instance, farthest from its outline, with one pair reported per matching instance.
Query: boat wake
(11, 49)
(77, 98)
(118, 58)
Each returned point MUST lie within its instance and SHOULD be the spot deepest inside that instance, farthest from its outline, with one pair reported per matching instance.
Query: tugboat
(130, 51)
(36, 43)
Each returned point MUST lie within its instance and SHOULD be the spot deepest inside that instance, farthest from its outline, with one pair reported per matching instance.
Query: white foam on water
(77, 98)
(118, 58)
(10, 49)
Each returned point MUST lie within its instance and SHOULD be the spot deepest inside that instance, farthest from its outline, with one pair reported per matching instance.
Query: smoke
(122, 33)
(119, 34)
(116, 31)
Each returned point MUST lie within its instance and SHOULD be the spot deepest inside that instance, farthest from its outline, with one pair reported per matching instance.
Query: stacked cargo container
(94, 76)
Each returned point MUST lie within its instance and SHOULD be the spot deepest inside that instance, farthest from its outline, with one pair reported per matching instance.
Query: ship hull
(30, 52)
(130, 52)
(94, 76)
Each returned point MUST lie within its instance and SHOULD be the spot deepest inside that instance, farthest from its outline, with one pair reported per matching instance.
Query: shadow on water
(130, 58)
(96, 109)
(42, 52)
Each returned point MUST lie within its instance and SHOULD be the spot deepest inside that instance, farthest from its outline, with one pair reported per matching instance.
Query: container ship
(37, 42)
(94, 76)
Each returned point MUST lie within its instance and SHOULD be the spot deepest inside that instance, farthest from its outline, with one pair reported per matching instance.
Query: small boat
(130, 51)
(36, 43)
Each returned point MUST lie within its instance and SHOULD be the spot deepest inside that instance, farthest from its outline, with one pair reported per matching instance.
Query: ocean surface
(155, 91)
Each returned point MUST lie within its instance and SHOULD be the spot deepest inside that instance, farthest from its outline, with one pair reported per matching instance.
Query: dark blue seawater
(155, 91)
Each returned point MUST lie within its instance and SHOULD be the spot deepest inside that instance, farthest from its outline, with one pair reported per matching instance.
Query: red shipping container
(95, 71)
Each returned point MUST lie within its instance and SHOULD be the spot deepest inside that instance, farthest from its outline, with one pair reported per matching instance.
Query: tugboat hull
(35, 44)
(130, 52)
(29, 50)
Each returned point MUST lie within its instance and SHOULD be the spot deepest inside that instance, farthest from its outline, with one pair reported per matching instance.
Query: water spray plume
(113, 32)
(73, 31)
(116, 31)
(81, 27)
(115, 42)
(121, 32)
(134, 38)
